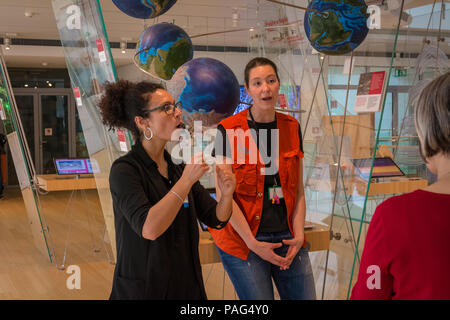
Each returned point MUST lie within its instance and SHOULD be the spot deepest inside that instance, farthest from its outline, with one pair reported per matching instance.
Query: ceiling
(34, 19)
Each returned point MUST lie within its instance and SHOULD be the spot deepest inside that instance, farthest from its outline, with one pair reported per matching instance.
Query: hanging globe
(162, 49)
(341, 27)
(208, 90)
(144, 9)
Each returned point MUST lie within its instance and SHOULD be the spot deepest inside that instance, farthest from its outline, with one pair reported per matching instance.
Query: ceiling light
(123, 46)
(44, 64)
(7, 43)
(26, 85)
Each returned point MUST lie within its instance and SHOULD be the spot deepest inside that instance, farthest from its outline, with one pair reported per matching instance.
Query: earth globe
(144, 9)
(162, 49)
(340, 28)
(207, 89)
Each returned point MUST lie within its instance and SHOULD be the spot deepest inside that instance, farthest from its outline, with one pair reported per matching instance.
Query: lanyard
(257, 140)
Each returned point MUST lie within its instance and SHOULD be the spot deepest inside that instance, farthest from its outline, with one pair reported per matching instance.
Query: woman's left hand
(295, 245)
(226, 181)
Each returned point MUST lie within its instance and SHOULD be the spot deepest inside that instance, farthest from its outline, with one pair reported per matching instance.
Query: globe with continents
(341, 29)
(144, 9)
(162, 49)
(208, 90)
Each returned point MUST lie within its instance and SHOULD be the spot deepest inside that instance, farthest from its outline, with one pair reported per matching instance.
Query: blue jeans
(252, 278)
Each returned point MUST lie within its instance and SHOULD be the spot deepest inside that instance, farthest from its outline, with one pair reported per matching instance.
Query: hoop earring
(151, 134)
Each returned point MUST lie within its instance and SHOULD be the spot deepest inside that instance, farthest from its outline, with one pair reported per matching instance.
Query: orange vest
(249, 190)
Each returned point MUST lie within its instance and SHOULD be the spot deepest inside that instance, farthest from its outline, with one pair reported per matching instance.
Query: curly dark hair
(122, 101)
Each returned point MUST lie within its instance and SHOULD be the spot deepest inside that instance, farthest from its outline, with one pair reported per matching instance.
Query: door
(55, 130)
(49, 121)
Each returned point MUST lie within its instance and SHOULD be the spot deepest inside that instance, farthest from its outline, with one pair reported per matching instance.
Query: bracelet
(177, 195)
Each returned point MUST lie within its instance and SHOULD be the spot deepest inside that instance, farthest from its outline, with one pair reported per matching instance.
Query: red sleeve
(374, 280)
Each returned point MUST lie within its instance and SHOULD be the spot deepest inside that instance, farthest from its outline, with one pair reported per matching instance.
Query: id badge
(275, 194)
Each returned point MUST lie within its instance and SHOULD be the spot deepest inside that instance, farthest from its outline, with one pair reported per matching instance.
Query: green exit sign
(401, 72)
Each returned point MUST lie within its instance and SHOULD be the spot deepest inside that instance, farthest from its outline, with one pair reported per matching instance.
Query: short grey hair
(432, 117)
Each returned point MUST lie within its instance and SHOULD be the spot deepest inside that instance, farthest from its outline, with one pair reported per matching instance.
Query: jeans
(252, 278)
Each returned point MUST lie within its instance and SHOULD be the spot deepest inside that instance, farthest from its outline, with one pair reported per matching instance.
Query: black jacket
(145, 268)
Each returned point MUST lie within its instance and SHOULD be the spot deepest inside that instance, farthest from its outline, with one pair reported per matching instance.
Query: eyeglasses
(168, 108)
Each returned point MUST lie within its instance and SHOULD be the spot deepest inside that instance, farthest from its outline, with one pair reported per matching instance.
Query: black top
(168, 267)
(274, 216)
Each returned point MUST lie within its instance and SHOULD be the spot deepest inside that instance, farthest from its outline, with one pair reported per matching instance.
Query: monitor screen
(382, 168)
(73, 166)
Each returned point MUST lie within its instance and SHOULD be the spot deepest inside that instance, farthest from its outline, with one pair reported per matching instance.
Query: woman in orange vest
(265, 237)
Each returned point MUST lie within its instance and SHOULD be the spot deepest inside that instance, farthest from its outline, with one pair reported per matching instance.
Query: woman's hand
(265, 250)
(295, 245)
(226, 181)
(194, 170)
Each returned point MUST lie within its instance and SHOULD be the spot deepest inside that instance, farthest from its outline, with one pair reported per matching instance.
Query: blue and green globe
(144, 9)
(208, 90)
(344, 29)
(162, 49)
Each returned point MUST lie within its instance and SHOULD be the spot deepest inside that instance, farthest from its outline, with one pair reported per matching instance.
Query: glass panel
(386, 125)
(20, 155)
(55, 132)
(402, 106)
(336, 99)
(89, 42)
(80, 143)
(25, 104)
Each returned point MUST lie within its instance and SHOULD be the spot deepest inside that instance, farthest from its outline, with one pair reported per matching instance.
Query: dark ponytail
(122, 101)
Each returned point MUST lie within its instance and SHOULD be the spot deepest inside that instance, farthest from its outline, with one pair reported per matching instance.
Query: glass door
(27, 106)
(54, 130)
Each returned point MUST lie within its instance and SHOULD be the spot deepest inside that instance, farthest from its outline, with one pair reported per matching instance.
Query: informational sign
(282, 29)
(76, 91)
(370, 92)
(101, 50)
(122, 141)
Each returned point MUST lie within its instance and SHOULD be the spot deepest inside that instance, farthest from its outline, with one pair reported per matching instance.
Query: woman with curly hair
(156, 203)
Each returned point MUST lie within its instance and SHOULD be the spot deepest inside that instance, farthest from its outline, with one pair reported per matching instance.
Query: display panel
(73, 166)
(382, 168)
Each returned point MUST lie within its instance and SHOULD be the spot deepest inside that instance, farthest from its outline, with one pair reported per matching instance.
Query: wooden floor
(25, 273)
